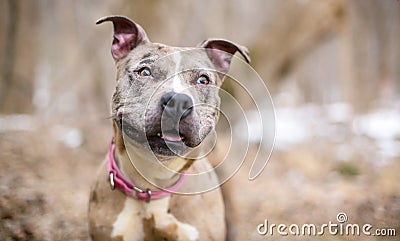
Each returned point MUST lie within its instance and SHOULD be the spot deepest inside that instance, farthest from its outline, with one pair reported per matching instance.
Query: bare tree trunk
(9, 57)
(372, 54)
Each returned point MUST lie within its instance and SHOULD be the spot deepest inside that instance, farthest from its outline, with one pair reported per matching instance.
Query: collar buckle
(141, 191)
(111, 179)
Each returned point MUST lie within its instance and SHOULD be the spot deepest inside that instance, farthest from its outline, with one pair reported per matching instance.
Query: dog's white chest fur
(129, 223)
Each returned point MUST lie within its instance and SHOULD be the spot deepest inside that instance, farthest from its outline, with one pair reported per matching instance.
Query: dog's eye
(145, 71)
(204, 80)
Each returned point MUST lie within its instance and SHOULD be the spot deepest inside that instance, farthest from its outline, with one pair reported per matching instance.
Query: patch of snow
(69, 136)
(389, 148)
(380, 125)
(16, 122)
(333, 123)
(339, 112)
(292, 127)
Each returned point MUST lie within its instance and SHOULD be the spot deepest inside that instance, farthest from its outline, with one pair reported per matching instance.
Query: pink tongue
(171, 137)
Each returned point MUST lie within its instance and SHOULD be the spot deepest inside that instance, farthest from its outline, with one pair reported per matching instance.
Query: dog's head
(166, 98)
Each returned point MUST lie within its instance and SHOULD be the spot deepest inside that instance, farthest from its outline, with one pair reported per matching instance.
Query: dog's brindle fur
(136, 106)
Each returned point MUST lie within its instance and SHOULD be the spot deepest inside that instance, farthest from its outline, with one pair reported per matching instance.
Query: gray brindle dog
(164, 106)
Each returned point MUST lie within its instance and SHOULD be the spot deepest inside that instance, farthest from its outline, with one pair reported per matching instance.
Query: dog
(164, 107)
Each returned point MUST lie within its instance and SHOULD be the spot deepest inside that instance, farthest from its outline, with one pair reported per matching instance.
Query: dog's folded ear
(127, 35)
(221, 51)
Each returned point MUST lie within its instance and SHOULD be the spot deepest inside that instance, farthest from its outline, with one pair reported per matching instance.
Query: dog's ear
(127, 35)
(221, 51)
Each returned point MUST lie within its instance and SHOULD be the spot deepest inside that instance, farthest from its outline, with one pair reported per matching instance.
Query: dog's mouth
(167, 137)
(171, 136)
(170, 142)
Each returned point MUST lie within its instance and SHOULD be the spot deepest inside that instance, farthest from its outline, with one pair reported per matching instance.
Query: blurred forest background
(332, 68)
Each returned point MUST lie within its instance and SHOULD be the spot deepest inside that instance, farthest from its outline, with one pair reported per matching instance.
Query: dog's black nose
(176, 105)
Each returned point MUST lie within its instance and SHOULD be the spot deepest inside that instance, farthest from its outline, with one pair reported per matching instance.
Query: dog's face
(166, 98)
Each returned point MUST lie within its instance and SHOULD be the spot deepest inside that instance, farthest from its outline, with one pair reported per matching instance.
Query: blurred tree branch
(307, 27)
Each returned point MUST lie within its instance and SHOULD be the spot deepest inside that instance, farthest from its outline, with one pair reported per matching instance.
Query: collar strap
(117, 180)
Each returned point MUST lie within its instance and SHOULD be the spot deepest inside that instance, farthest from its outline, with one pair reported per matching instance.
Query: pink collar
(117, 180)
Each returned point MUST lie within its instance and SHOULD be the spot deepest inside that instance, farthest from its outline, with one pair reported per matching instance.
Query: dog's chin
(165, 148)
